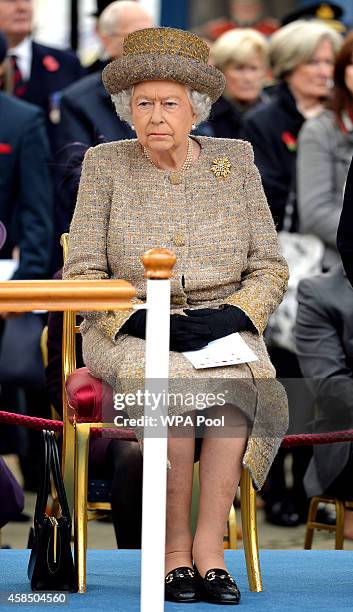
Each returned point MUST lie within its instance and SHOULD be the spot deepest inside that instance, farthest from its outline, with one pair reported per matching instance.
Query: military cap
(329, 12)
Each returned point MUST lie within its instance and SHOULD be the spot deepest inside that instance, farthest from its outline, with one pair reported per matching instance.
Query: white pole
(155, 450)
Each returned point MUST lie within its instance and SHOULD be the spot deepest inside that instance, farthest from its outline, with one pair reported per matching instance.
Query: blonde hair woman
(242, 56)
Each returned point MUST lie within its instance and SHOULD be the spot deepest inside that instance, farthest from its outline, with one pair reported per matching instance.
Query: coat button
(179, 240)
(176, 178)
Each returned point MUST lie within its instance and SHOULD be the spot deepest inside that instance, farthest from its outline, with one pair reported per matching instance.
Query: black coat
(47, 79)
(26, 202)
(345, 228)
(88, 114)
(267, 128)
(226, 118)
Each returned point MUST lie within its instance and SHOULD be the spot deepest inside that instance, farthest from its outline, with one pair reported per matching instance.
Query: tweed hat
(164, 54)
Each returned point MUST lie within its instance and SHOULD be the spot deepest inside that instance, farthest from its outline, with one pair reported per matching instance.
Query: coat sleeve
(35, 202)
(320, 350)
(73, 126)
(319, 208)
(264, 280)
(345, 228)
(87, 257)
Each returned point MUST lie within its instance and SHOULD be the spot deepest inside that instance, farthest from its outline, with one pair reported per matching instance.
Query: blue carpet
(293, 580)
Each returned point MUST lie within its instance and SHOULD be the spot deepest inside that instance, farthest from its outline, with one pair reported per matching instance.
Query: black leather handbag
(51, 566)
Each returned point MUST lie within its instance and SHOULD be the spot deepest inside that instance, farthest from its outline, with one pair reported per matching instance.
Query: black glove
(222, 321)
(188, 334)
(136, 324)
(185, 334)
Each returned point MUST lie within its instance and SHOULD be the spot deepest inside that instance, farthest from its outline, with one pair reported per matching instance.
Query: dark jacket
(272, 131)
(88, 114)
(226, 117)
(26, 202)
(324, 338)
(345, 228)
(47, 80)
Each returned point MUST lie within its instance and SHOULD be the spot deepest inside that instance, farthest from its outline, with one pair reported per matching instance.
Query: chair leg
(339, 524)
(80, 511)
(311, 519)
(248, 520)
(68, 464)
(232, 529)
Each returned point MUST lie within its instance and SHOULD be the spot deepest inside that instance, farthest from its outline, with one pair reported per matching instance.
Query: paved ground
(101, 534)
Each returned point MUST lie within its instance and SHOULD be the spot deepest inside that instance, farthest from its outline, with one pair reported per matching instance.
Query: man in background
(26, 211)
(324, 338)
(87, 112)
(244, 14)
(35, 73)
(26, 203)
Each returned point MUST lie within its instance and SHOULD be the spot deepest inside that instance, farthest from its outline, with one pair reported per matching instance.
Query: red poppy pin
(290, 141)
(51, 63)
(5, 148)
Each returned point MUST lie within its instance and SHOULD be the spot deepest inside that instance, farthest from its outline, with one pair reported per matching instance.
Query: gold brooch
(221, 167)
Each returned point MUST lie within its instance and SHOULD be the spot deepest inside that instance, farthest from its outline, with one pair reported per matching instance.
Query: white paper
(230, 350)
(8, 268)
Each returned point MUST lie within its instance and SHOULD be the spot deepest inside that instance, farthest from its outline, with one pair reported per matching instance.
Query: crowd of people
(288, 91)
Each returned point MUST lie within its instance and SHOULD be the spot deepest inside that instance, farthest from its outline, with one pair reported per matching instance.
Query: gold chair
(76, 437)
(313, 524)
(75, 472)
(95, 510)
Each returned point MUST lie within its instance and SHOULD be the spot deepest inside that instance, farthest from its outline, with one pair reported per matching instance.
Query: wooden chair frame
(313, 524)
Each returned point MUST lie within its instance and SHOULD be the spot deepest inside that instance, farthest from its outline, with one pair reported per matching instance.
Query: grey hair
(295, 43)
(201, 104)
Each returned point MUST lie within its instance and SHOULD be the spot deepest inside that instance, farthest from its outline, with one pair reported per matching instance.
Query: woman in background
(242, 56)
(302, 56)
(324, 154)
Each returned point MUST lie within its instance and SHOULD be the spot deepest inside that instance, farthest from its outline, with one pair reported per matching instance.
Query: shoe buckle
(169, 578)
(211, 576)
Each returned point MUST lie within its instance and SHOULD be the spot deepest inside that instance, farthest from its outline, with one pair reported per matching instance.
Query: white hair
(200, 102)
(109, 19)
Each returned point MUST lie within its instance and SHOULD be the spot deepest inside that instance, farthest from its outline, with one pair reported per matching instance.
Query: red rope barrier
(11, 418)
(314, 439)
(126, 434)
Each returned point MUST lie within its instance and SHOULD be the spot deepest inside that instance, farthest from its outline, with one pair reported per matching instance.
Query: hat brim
(129, 70)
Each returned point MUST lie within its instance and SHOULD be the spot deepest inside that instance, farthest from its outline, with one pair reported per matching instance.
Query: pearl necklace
(188, 160)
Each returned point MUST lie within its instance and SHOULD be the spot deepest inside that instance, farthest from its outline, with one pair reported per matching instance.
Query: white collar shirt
(23, 54)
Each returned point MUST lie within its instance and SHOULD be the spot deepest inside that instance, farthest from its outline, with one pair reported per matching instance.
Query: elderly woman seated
(201, 197)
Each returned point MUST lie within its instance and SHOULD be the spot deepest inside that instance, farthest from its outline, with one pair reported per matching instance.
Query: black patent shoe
(218, 587)
(182, 586)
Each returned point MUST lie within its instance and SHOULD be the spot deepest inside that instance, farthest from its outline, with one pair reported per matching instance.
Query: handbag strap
(44, 482)
(58, 479)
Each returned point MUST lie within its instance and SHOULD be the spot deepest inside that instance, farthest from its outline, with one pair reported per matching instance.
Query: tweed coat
(222, 233)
